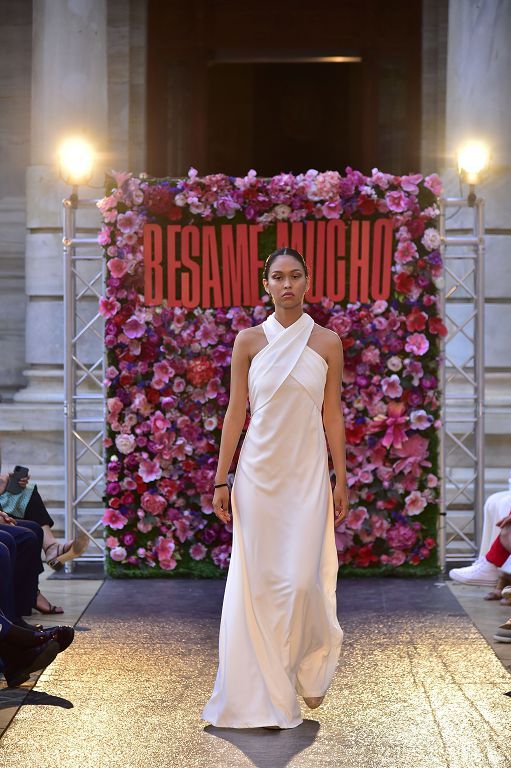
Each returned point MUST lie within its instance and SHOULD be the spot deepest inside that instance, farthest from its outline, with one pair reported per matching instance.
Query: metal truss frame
(462, 382)
(84, 397)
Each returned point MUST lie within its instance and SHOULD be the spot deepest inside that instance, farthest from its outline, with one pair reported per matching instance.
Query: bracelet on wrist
(219, 485)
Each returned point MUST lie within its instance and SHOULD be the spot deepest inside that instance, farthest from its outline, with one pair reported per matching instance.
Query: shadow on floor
(269, 748)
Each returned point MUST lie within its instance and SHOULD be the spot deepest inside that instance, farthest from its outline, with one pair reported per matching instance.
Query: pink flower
(356, 518)
(118, 553)
(149, 470)
(401, 536)
(108, 307)
(379, 307)
(163, 371)
(221, 555)
(127, 222)
(117, 267)
(153, 503)
(415, 503)
(409, 183)
(125, 444)
(133, 328)
(434, 183)
(396, 558)
(406, 251)
(420, 420)
(198, 551)
(331, 210)
(114, 519)
(432, 481)
(396, 201)
(111, 542)
(417, 344)
(391, 386)
(114, 405)
(165, 548)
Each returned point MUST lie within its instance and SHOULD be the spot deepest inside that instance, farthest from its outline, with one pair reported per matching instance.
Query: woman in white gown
(279, 633)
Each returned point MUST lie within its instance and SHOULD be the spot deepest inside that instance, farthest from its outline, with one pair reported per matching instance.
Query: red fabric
(497, 554)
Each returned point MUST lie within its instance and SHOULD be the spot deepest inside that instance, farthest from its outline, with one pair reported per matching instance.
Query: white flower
(431, 239)
(394, 363)
(282, 211)
(125, 443)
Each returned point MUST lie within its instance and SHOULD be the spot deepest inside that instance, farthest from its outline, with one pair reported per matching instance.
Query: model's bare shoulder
(253, 340)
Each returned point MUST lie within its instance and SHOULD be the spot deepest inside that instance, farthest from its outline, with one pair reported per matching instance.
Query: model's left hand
(340, 503)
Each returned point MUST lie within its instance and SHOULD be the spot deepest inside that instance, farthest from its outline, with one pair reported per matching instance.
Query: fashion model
(279, 633)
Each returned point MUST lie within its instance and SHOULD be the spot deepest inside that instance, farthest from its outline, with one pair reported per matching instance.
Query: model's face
(286, 275)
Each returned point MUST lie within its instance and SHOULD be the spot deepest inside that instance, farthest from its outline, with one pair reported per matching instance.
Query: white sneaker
(480, 572)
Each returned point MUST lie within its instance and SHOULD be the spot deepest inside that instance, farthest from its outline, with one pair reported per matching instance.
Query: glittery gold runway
(417, 686)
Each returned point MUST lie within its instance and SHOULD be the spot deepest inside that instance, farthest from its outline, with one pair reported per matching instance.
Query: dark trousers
(21, 560)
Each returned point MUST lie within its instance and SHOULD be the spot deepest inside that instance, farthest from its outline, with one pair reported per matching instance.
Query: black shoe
(19, 666)
(63, 636)
(25, 625)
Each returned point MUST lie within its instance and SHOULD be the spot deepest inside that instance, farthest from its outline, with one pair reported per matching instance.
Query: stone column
(478, 104)
(69, 97)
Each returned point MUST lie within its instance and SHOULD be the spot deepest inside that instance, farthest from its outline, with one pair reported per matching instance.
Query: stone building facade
(66, 64)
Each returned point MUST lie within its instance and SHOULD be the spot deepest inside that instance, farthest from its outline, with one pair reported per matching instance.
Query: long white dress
(279, 633)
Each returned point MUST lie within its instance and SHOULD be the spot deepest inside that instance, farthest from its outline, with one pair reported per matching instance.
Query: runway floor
(417, 686)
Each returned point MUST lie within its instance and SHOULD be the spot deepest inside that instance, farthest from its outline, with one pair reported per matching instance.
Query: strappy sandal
(67, 551)
(53, 609)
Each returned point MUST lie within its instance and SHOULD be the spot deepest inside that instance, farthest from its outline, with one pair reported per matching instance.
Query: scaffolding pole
(462, 298)
(84, 373)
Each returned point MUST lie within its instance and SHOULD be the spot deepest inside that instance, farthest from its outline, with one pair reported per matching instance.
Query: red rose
(404, 282)
(355, 434)
(436, 326)
(416, 320)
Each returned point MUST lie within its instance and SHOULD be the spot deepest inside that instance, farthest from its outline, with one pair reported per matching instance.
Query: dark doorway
(280, 116)
(277, 107)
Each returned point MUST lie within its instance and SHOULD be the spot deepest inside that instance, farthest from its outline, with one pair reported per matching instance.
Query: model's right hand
(221, 504)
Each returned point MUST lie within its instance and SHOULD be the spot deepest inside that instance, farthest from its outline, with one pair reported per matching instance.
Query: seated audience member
(28, 505)
(24, 540)
(484, 571)
(23, 649)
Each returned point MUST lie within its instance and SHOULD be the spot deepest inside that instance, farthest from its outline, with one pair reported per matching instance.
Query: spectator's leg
(28, 537)
(7, 559)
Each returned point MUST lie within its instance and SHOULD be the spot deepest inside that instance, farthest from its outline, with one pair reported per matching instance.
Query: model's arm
(236, 412)
(333, 421)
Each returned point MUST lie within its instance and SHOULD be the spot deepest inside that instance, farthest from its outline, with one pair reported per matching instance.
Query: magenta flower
(133, 328)
(198, 551)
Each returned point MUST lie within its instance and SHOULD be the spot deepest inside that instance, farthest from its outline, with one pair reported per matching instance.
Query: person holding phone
(22, 501)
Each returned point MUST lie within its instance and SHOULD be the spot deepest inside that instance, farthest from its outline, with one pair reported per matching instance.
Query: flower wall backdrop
(168, 374)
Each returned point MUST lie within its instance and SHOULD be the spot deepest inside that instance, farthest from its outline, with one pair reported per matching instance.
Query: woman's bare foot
(313, 701)
(58, 554)
(44, 606)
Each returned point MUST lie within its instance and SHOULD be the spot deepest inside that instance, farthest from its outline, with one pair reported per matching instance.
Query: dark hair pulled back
(283, 252)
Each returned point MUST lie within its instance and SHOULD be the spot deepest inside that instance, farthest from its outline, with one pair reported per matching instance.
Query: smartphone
(17, 474)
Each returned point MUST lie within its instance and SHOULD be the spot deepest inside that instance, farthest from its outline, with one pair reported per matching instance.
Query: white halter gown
(279, 633)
